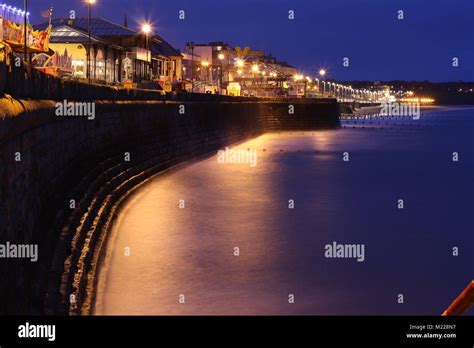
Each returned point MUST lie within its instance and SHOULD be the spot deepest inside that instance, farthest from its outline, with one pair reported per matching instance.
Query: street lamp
(240, 64)
(146, 29)
(25, 26)
(89, 8)
(205, 64)
(307, 80)
(255, 71)
(191, 44)
(221, 57)
(322, 73)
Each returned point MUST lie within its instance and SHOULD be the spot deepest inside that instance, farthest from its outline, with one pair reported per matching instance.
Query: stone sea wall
(62, 177)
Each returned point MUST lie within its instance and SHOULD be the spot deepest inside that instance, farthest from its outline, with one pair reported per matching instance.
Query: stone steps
(86, 230)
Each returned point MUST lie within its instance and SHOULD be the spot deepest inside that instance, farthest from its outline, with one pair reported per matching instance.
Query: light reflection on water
(190, 251)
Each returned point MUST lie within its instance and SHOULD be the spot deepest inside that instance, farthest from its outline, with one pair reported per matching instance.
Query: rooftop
(163, 48)
(67, 30)
(65, 33)
(99, 26)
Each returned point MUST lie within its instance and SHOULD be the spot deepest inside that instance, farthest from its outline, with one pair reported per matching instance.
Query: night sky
(379, 46)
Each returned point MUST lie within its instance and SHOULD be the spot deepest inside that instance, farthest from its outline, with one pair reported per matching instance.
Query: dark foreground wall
(63, 177)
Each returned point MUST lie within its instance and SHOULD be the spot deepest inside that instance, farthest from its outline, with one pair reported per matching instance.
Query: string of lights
(12, 13)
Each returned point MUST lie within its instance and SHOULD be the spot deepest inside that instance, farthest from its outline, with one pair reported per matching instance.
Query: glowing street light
(322, 72)
(146, 29)
(205, 64)
(255, 71)
(240, 63)
(221, 57)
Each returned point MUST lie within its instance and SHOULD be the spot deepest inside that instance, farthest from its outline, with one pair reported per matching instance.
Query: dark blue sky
(379, 46)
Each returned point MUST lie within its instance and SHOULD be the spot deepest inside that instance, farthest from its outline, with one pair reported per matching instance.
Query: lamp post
(297, 78)
(205, 64)
(240, 64)
(228, 67)
(221, 58)
(255, 71)
(322, 73)
(191, 44)
(146, 29)
(89, 8)
(25, 27)
(308, 81)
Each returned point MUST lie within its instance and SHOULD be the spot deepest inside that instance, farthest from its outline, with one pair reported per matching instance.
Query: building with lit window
(117, 54)
(210, 63)
(166, 62)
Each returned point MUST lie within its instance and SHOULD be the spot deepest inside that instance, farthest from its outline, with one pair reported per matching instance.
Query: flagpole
(26, 29)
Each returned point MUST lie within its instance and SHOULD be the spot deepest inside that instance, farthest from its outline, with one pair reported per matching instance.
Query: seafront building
(118, 54)
(217, 66)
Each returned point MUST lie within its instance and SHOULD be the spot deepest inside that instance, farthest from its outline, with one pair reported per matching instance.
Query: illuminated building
(118, 53)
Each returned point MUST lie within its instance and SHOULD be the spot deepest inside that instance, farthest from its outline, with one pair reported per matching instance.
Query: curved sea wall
(62, 177)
